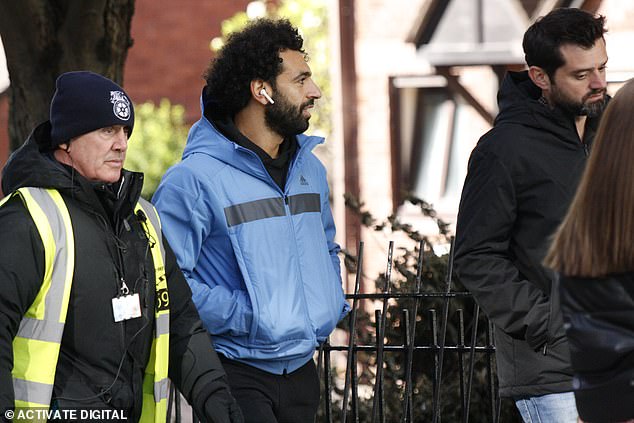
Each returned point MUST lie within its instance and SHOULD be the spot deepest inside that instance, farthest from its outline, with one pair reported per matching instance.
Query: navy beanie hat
(85, 101)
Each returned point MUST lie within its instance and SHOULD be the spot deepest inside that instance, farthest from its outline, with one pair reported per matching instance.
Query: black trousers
(269, 398)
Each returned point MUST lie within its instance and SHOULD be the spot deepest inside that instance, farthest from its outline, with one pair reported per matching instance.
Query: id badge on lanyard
(126, 306)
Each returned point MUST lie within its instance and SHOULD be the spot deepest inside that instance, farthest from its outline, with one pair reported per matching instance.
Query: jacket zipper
(291, 167)
(299, 273)
(119, 271)
(586, 152)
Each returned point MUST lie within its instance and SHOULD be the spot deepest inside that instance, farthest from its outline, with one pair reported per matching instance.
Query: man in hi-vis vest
(95, 314)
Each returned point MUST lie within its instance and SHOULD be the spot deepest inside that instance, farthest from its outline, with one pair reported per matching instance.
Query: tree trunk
(44, 38)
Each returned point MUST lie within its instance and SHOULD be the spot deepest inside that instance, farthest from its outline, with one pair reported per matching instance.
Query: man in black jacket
(95, 314)
(521, 178)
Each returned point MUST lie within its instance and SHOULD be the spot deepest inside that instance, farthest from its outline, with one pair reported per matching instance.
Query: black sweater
(277, 167)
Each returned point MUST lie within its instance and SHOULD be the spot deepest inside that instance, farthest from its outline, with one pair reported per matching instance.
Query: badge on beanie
(121, 105)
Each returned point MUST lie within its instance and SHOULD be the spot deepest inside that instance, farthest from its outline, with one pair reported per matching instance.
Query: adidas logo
(302, 180)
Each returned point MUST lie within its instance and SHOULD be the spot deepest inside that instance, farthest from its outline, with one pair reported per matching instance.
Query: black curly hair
(252, 53)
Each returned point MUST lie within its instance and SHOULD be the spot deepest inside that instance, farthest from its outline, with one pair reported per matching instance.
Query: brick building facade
(171, 49)
(169, 54)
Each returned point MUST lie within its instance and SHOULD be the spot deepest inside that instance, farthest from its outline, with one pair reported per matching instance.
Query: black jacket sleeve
(600, 328)
(483, 263)
(194, 364)
(21, 272)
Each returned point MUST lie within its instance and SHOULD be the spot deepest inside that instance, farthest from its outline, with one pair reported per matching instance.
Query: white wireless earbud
(266, 95)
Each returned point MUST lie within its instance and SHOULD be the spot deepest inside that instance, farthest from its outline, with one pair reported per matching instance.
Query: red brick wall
(171, 49)
(169, 55)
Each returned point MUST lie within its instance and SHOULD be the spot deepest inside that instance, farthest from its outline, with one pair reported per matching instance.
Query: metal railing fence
(451, 366)
(427, 354)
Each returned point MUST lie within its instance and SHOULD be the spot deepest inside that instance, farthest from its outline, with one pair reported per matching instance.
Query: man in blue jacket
(248, 215)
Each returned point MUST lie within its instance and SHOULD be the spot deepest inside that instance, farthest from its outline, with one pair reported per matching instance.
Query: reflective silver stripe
(51, 218)
(254, 210)
(161, 389)
(41, 330)
(304, 203)
(162, 324)
(39, 393)
(55, 295)
(271, 207)
(150, 212)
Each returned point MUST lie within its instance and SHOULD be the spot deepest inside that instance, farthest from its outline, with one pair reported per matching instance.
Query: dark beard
(581, 108)
(593, 109)
(286, 119)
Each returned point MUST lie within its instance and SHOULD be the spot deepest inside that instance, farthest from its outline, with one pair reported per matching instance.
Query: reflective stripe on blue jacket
(261, 262)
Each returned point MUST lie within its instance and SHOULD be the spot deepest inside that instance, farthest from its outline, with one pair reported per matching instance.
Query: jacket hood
(519, 103)
(33, 165)
(206, 139)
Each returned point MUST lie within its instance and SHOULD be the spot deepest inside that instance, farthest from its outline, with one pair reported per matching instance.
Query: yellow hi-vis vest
(37, 343)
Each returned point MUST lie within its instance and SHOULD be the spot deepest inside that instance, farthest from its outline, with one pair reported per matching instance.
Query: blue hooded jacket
(261, 262)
